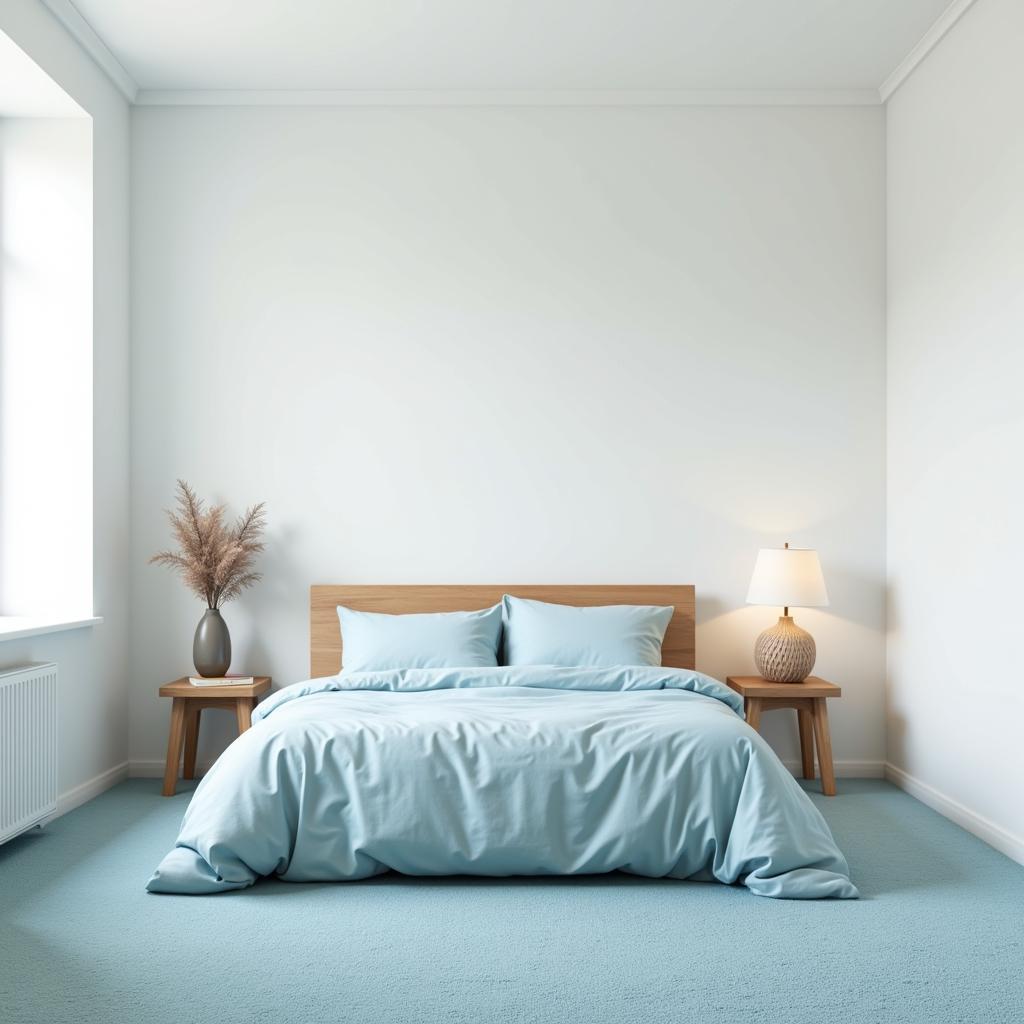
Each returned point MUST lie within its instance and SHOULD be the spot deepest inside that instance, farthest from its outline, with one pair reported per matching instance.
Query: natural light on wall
(46, 498)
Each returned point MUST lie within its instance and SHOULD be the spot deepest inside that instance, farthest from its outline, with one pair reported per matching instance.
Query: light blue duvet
(504, 771)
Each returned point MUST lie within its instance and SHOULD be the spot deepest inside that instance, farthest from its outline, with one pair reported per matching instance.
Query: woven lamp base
(785, 653)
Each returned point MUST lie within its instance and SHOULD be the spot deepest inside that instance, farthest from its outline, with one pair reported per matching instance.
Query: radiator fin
(28, 747)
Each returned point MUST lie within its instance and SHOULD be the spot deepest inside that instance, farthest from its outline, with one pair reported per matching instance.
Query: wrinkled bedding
(504, 771)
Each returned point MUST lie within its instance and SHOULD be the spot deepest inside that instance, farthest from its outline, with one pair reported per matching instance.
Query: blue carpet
(938, 936)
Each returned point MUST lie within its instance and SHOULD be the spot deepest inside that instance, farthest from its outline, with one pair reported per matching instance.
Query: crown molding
(945, 21)
(84, 34)
(67, 14)
(508, 98)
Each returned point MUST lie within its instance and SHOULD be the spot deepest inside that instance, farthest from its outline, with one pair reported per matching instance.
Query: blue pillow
(537, 633)
(371, 641)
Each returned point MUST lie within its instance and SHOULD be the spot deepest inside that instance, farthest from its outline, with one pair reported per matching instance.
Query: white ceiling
(509, 44)
(28, 91)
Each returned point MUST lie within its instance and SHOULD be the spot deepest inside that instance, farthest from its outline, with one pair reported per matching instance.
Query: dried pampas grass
(215, 560)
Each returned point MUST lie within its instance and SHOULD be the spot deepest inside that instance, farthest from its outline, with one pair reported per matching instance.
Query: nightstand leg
(754, 712)
(243, 709)
(174, 741)
(192, 718)
(824, 741)
(806, 742)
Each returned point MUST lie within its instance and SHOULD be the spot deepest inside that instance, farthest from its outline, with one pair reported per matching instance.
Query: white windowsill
(14, 627)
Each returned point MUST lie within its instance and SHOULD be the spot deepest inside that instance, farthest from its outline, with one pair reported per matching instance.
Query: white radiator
(28, 747)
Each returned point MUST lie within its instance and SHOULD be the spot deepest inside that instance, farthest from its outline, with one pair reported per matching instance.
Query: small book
(221, 680)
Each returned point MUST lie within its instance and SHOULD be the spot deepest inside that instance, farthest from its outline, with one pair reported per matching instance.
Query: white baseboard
(988, 831)
(85, 792)
(153, 768)
(846, 769)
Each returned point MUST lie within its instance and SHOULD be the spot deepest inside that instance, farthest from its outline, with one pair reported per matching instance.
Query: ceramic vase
(211, 649)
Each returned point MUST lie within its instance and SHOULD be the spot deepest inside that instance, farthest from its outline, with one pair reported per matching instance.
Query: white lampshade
(788, 577)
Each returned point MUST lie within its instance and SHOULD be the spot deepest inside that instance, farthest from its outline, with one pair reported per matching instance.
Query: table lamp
(790, 577)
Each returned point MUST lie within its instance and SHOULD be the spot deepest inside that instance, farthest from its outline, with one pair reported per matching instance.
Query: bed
(502, 770)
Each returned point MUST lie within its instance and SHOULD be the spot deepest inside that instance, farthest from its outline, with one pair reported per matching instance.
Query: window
(46, 499)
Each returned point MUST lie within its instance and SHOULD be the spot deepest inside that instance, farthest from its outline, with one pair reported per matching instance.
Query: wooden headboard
(325, 632)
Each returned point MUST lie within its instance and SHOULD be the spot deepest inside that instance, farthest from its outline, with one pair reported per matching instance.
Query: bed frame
(678, 649)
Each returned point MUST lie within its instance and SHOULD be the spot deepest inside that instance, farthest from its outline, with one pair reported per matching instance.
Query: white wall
(93, 665)
(535, 345)
(956, 425)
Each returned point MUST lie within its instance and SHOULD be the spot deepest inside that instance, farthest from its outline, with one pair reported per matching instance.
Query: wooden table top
(755, 686)
(183, 688)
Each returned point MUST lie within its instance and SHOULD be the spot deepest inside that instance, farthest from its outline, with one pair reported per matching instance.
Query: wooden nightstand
(189, 702)
(809, 699)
